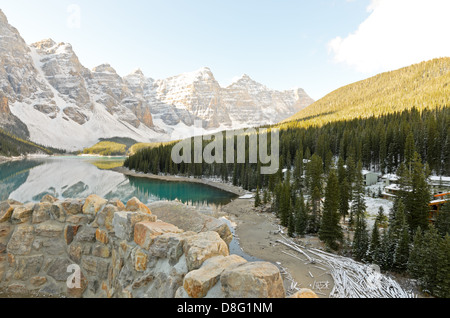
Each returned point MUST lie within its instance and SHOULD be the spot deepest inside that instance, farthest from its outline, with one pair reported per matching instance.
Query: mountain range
(47, 96)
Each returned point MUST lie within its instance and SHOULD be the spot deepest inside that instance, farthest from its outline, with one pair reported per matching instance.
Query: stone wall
(122, 251)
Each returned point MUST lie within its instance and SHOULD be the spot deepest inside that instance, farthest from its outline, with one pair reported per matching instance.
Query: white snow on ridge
(69, 135)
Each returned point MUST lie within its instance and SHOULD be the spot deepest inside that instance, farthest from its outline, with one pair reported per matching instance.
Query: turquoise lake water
(74, 177)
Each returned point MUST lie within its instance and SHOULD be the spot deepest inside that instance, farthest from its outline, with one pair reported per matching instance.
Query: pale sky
(319, 45)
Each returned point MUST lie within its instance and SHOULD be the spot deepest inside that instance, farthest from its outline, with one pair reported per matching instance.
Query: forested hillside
(106, 148)
(11, 146)
(421, 86)
(319, 196)
(379, 143)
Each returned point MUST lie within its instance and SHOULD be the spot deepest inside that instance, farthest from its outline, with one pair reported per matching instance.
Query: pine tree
(314, 219)
(443, 220)
(266, 196)
(302, 216)
(360, 244)
(415, 262)
(375, 244)
(298, 166)
(381, 217)
(341, 171)
(419, 198)
(314, 175)
(291, 225)
(396, 224)
(344, 198)
(389, 249)
(330, 231)
(345, 189)
(277, 199)
(443, 275)
(402, 249)
(257, 199)
(328, 161)
(382, 151)
(358, 204)
(428, 277)
(285, 204)
(409, 151)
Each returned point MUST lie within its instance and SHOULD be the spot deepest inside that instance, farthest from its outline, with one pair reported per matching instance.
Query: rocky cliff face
(122, 251)
(9, 122)
(65, 105)
(249, 102)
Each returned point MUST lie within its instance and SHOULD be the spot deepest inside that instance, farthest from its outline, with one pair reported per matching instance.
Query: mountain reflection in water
(74, 177)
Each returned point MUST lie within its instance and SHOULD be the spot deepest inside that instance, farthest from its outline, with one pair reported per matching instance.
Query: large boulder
(197, 283)
(189, 219)
(21, 240)
(146, 232)
(28, 266)
(52, 229)
(200, 247)
(105, 217)
(124, 223)
(93, 204)
(72, 206)
(49, 199)
(304, 293)
(134, 205)
(169, 246)
(6, 210)
(41, 212)
(22, 213)
(253, 280)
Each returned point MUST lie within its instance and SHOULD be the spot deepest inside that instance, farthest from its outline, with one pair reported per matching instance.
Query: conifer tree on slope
(284, 204)
(443, 275)
(257, 198)
(344, 191)
(298, 164)
(420, 195)
(301, 220)
(330, 231)
(387, 250)
(443, 220)
(429, 264)
(361, 237)
(415, 262)
(314, 179)
(402, 248)
(373, 254)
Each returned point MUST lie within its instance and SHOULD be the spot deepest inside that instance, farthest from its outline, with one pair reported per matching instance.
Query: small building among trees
(370, 178)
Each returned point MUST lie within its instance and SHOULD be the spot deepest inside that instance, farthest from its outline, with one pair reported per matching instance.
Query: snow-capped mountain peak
(65, 105)
(137, 72)
(104, 68)
(3, 18)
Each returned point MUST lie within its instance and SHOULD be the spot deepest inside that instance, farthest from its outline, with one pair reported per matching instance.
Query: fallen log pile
(351, 279)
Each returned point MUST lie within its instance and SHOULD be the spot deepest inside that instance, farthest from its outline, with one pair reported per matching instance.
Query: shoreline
(256, 234)
(222, 186)
(4, 159)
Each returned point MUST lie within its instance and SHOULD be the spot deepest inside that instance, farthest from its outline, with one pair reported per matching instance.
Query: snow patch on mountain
(68, 106)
